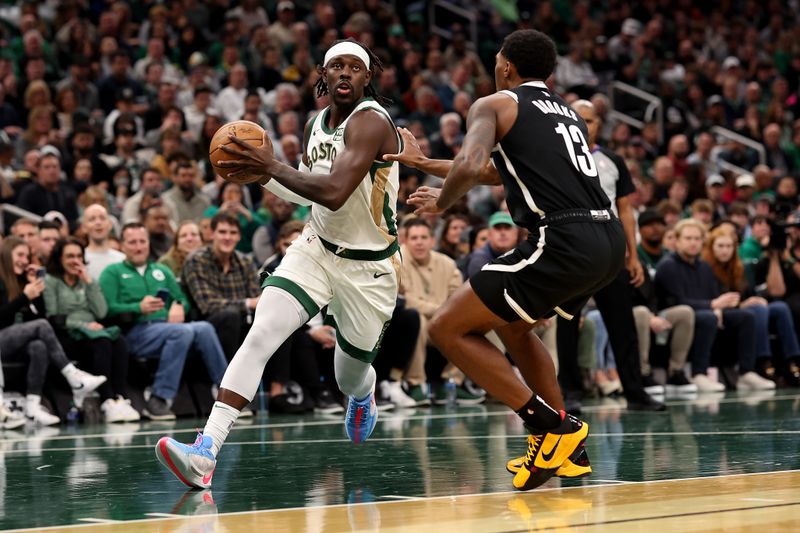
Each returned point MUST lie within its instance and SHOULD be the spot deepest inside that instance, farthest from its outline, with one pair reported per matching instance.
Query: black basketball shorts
(556, 270)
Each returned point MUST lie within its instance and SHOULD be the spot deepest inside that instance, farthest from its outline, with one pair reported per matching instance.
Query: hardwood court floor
(708, 464)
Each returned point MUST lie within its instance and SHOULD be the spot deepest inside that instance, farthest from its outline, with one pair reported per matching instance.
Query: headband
(349, 49)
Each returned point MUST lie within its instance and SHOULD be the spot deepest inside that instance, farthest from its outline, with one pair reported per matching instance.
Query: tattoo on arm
(474, 155)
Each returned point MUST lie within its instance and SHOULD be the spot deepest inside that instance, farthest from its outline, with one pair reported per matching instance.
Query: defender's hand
(424, 199)
(411, 155)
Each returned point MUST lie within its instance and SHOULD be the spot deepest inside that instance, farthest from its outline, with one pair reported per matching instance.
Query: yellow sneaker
(576, 466)
(548, 451)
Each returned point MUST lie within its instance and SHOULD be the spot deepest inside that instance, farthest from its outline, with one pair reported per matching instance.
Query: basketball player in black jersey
(539, 152)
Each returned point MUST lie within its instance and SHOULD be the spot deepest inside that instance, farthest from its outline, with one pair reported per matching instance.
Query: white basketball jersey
(368, 219)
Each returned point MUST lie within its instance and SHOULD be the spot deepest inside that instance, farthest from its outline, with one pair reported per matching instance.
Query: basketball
(250, 132)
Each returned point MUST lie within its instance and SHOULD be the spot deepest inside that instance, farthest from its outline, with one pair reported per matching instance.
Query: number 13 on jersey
(584, 161)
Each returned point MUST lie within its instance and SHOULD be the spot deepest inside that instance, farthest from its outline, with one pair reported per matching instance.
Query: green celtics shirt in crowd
(81, 304)
(124, 287)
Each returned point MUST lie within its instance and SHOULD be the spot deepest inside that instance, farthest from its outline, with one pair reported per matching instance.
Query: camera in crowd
(779, 235)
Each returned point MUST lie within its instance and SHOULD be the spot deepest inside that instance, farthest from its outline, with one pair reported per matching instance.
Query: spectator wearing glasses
(75, 302)
(25, 334)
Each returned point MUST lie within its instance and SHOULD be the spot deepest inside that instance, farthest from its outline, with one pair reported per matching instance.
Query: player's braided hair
(375, 68)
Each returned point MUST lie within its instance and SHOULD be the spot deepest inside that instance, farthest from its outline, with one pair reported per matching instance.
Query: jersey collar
(538, 84)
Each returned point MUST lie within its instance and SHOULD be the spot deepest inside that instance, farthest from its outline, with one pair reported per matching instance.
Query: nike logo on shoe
(376, 275)
(548, 456)
(207, 477)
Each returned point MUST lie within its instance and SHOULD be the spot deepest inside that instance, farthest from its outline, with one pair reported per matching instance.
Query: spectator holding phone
(26, 335)
(159, 329)
(76, 301)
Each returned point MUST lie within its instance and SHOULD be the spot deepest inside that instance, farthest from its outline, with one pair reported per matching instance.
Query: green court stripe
(295, 290)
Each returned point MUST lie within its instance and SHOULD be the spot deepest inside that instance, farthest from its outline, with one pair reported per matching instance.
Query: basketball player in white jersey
(346, 258)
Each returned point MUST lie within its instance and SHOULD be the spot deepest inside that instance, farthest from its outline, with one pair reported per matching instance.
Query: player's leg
(278, 314)
(360, 310)
(458, 330)
(536, 366)
(294, 293)
(533, 360)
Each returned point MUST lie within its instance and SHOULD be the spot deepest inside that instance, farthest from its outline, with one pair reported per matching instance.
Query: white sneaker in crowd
(86, 384)
(119, 409)
(705, 384)
(10, 419)
(750, 381)
(36, 413)
(112, 411)
(393, 392)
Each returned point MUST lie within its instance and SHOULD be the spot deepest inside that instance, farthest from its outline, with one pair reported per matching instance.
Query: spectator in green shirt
(77, 303)
(752, 249)
(230, 200)
(148, 295)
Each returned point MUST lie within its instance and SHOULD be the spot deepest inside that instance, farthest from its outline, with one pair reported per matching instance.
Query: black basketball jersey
(544, 159)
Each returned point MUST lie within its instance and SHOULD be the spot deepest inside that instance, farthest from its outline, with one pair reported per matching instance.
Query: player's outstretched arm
(474, 155)
(412, 156)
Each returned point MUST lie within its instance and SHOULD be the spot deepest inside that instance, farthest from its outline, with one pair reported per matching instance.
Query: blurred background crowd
(125, 253)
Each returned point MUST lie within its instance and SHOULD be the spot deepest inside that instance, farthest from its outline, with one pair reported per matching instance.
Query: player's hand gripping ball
(238, 162)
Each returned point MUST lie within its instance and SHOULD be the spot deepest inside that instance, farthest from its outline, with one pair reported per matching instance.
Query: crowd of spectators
(107, 110)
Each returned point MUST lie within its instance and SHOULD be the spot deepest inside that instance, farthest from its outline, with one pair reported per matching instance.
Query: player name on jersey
(547, 107)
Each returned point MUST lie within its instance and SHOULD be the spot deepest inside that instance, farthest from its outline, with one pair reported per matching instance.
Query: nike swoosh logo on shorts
(376, 275)
(548, 456)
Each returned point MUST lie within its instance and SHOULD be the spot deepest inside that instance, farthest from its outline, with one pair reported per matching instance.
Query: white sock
(219, 424)
(70, 372)
(32, 402)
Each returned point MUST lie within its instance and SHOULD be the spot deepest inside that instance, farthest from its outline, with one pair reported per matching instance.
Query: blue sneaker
(361, 417)
(193, 465)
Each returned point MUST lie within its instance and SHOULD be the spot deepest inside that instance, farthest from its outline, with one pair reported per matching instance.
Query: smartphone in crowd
(163, 294)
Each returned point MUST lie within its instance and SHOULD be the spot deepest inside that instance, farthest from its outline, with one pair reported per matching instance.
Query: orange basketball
(250, 132)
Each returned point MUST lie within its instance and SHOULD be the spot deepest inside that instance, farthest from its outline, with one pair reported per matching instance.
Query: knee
(705, 320)
(43, 327)
(641, 314)
(182, 333)
(37, 349)
(437, 330)
(203, 329)
(684, 314)
(780, 308)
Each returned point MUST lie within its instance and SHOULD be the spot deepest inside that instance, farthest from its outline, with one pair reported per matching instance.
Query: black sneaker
(157, 409)
(325, 403)
(679, 383)
(766, 369)
(645, 402)
(651, 386)
(283, 404)
(792, 374)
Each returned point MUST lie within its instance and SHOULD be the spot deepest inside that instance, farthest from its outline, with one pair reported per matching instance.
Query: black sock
(537, 415)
